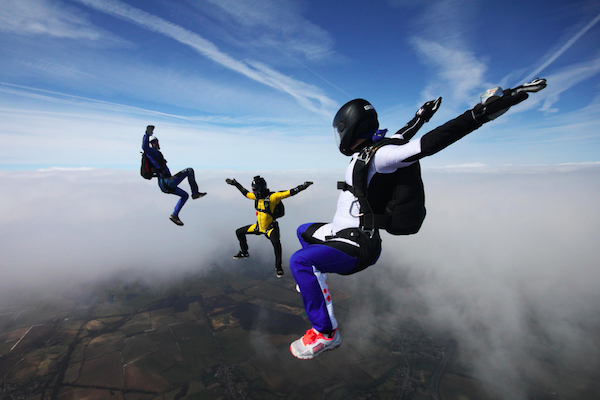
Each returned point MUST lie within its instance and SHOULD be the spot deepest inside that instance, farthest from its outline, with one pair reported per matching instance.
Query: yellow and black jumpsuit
(265, 224)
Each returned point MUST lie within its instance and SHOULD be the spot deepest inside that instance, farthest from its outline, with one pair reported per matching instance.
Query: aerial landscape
(225, 335)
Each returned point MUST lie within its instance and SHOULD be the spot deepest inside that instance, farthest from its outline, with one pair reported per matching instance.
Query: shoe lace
(310, 337)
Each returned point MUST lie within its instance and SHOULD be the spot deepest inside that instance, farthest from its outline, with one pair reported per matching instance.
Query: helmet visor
(337, 133)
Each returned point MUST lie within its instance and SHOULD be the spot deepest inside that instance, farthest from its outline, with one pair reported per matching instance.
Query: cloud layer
(506, 262)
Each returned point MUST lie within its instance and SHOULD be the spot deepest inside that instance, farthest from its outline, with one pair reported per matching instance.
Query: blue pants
(309, 266)
(169, 185)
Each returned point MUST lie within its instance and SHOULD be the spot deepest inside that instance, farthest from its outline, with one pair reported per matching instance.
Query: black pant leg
(241, 235)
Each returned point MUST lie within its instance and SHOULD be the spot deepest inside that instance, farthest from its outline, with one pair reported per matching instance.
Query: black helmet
(259, 187)
(355, 120)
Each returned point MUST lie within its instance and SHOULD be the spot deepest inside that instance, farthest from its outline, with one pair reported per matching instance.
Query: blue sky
(254, 85)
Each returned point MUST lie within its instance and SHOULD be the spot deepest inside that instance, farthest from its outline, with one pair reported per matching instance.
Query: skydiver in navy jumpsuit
(166, 182)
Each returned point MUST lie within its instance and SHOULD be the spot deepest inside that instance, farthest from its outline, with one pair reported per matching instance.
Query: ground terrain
(220, 334)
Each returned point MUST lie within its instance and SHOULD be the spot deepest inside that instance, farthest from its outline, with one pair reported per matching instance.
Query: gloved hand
(230, 181)
(428, 109)
(534, 86)
(305, 185)
(495, 102)
(300, 188)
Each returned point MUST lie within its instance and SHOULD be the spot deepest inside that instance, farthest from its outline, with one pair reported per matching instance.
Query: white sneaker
(314, 343)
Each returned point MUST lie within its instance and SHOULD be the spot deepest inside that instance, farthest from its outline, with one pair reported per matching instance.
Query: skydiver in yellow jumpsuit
(265, 203)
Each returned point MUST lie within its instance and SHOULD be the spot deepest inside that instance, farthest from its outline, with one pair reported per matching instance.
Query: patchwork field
(220, 335)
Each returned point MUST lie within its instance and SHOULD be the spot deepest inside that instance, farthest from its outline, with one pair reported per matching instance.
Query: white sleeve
(391, 157)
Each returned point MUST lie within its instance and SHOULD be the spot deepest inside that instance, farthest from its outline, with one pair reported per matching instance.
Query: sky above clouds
(225, 81)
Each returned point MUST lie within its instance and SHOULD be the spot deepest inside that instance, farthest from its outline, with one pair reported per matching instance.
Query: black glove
(494, 105)
(230, 181)
(534, 86)
(428, 109)
(300, 188)
(305, 185)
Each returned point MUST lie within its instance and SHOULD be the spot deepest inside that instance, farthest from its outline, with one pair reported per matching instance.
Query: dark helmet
(259, 187)
(355, 120)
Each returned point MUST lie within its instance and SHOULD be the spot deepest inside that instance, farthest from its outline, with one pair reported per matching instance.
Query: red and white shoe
(314, 343)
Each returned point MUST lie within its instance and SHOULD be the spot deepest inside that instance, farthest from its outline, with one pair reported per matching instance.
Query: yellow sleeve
(278, 196)
(251, 196)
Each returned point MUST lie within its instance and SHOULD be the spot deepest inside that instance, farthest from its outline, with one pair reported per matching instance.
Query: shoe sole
(315, 355)
(198, 197)
(175, 222)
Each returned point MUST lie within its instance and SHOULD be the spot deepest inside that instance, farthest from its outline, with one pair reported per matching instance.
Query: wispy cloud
(442, 44)
(564, 48)
(45, 66)
(45, 17)
(441, 41)
(447, 21)
(279, 24)
(308, 95)
(566, 78)
(80, 101)
(457, 69)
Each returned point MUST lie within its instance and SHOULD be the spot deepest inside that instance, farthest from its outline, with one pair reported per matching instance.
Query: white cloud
(506, 257)
(569, 43)
(73, 131)
(313, 97)
(506, 263)
(277, 24)
(45, 17)
(448, 21)
(459, 72)
(565, 79)
(51, 169)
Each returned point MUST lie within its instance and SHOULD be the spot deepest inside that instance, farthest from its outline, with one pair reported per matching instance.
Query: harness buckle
(369, 233)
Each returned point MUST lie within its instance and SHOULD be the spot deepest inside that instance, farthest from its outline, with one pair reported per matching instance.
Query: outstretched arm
(300, 188)
(150, 151)
(235, 183)
(494, 103)
(288, 193)
(423, 115)
(146, 142)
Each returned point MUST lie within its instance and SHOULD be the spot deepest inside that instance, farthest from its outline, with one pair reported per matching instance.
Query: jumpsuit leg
(300, 231)
(275, 239)
(184, 197)
(309, 267)
(169, 185)
(241, 235)
(181, 175)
